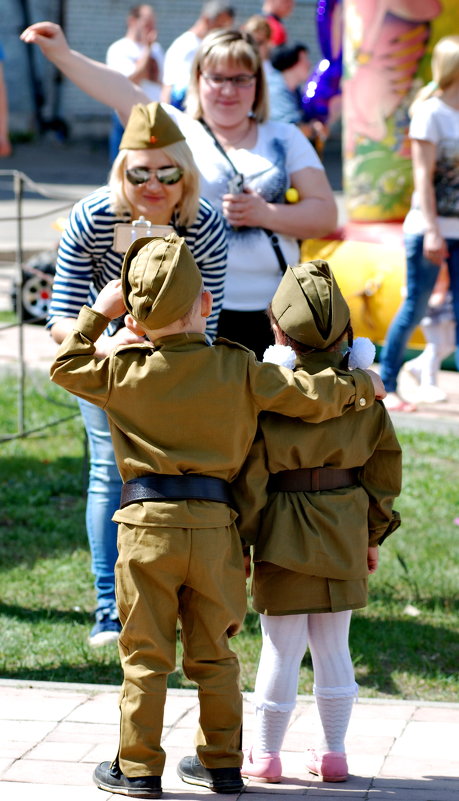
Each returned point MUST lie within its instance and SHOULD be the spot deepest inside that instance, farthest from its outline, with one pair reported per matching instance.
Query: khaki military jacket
(321, 533)
(182, 406)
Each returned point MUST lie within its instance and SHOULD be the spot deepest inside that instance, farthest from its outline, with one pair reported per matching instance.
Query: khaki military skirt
(277, 591)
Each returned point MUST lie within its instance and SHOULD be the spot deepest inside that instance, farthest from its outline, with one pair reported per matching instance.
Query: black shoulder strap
(273, 238)
(218, 145)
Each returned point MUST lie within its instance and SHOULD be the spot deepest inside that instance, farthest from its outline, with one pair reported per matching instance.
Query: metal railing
(20, 184)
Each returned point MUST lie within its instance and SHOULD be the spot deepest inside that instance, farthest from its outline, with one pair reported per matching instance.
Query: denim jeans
(104, 490)
(421, 275)
(114, 139)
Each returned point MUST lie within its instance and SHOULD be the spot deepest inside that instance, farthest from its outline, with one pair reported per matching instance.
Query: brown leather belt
(161, 487)
(313, 479)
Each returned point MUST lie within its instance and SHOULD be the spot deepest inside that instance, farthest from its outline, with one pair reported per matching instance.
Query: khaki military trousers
(197, 576)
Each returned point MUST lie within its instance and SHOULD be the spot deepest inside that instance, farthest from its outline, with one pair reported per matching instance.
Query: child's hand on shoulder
(247, 565)
(109, 301)
(372, 559)
(379, 388)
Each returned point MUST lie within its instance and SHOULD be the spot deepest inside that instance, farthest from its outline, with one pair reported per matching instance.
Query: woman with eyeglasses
(154, 176)
(246, 162)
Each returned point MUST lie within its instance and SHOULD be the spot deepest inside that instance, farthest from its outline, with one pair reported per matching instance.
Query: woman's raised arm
(93, 77)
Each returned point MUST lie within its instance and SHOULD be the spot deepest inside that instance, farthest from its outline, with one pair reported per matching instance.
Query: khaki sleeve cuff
(91, 323)
(364, 390)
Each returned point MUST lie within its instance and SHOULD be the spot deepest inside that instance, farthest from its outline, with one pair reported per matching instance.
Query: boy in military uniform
(183, 415)
(317, 501)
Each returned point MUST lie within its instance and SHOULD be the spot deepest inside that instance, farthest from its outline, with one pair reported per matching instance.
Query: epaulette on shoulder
(230, 344)
(135, 346)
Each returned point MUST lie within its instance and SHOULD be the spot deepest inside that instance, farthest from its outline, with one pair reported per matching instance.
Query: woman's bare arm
(93, 77)
(424, 156)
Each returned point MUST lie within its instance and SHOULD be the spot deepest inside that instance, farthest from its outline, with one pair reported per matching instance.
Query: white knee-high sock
(334, 714)
(284, 644)
(334, 684)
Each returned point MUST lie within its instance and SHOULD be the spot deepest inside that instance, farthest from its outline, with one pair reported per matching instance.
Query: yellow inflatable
(371, 277)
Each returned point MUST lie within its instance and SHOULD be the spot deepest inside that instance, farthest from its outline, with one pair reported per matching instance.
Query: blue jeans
(421, 275)
(104, 490)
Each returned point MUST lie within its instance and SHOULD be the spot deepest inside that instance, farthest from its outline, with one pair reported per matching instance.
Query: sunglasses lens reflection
(169, 175)
(137, 176)
(165, 175)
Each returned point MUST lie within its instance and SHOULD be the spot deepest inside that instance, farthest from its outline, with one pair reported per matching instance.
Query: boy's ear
(279, 335)
(134, 326)
(206, 303)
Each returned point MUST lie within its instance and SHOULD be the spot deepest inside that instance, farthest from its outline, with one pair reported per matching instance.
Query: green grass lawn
(404, 644)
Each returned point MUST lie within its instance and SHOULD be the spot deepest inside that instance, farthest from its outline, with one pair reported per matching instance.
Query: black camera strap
(273, 238)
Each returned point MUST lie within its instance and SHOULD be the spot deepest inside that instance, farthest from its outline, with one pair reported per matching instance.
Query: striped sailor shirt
(86, 260)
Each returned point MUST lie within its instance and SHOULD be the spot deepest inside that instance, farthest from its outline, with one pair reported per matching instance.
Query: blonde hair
(445, 69)
(180, 154)
(231, 47)
(257, 24)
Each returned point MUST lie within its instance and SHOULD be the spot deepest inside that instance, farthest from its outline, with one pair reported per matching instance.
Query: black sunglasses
(165, 175)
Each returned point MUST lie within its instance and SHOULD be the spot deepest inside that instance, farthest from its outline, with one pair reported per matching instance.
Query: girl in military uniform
(317, 501)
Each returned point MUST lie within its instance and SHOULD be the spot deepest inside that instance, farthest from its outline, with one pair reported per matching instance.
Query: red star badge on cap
(153, 139)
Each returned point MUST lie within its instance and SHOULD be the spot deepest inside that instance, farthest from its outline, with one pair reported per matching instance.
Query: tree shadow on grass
(49, 614)
(90, 666)
(381, 648)
(43, 508)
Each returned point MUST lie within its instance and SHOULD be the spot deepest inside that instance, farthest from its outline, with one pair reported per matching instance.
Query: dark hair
(134, 11)
(300, 347)
(213, 8)
(285, 56)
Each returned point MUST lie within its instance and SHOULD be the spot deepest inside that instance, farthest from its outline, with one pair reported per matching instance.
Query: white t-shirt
(122, 56)
(178, 60)
(253, 271)
(435, 121)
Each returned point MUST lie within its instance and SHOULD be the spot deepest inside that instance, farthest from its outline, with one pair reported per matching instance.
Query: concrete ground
(53, 735)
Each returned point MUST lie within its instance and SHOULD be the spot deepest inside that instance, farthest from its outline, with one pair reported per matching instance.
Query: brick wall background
(91, 26)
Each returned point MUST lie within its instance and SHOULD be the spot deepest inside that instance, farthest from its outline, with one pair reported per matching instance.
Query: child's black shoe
(220, 780)
(109, 777)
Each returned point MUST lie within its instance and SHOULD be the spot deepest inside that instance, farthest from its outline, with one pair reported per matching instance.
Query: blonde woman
(431, 228)
(246, 161)
(154, 176)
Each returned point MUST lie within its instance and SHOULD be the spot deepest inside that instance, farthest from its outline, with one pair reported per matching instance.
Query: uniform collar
(318, 361)
(179, 341)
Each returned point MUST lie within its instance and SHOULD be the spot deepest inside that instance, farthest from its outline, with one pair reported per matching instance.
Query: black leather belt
(160, 487)
(313, 479)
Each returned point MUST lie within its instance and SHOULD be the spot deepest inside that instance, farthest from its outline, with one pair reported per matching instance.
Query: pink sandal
(394, 403)
(330, 767)
(265, 768)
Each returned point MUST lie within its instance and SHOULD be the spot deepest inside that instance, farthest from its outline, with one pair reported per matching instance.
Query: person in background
(139, 56)
(275, 12)
(154, 175)
(247, 164)
(431, 227)
(438, 327)
(259, 29)
(228, 97)
(5, 145)
(291, 67)
(179, 56)
(316, 502)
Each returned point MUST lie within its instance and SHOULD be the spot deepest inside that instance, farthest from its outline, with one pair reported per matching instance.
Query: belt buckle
(315, 479)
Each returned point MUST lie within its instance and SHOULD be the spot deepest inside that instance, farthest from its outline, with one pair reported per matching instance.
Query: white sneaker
(429, 393)
(413, 370)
